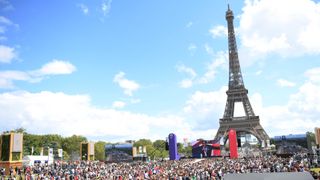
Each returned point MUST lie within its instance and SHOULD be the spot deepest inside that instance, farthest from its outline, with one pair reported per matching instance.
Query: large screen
(118, 152)
(205, 148)
(291, 144)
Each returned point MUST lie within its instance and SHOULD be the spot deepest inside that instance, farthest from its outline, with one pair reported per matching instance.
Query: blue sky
(117, 70)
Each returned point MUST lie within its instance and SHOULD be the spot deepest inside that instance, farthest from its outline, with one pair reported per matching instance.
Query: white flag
(60, 152)
(50, 152)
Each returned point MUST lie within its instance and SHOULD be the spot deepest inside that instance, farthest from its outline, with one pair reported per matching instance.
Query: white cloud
(189, 24)
(106, 7)
(3, 23)
(306, 100)
(218, 31)
(4, 83)
(187, 70)
(2, 29)
(258, 72)
(219, 60)
(204, 102)
(123, 103)
(4, 20)
(205, 108)
(7, 78)
(118, 104)
(208, 49)
(14, 75)
(48, 112)
(128, 86)
(5, 5)
(84, 9)
(56, 67)
(59, 113)
(299, 115)
(313, 75)
(186, 83)
(285, 83)
(292, 33)
(7, 54)
(3, 38)
(192, 47)
(52, 68)
(135, 101)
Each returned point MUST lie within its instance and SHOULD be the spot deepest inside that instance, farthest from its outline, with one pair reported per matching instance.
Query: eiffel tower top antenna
(227, 2)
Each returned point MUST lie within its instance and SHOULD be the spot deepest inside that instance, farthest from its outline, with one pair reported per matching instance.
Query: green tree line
(33, 144)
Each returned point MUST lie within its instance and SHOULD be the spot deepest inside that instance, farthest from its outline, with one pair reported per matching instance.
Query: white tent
(31, 160)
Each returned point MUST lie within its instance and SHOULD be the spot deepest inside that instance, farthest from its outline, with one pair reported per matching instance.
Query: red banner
(233, 144)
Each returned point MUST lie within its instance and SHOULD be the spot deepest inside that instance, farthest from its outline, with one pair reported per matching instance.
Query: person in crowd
(185, 169)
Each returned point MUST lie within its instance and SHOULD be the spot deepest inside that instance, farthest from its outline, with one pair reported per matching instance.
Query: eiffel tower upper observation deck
(249, 123)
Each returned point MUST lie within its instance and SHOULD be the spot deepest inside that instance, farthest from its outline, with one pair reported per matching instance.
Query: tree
(160, 148)
(29, 141)
(155, 150)
(65, 156)
(37, 142)
(150, 151)
(72, 145)
(99, 150)
(180, 147)
(159, 145)
(186, 151)
(311, 139)
(20, 130)
(142, 142)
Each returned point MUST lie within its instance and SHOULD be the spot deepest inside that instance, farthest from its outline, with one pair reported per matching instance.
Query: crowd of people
(187, 169)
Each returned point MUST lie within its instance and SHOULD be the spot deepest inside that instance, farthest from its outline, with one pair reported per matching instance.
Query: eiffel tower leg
(229, 109)
(222, 132)
(219, 134)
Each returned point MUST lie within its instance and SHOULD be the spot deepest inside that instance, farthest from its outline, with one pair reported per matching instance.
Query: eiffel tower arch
(237, 93)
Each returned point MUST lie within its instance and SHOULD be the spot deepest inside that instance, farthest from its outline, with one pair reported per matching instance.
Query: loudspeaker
(11, 149)
(87, 151)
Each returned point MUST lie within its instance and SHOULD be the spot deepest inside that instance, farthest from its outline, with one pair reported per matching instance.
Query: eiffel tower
(250, 123)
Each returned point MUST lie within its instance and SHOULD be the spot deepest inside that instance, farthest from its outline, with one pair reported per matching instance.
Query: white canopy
(31, 160)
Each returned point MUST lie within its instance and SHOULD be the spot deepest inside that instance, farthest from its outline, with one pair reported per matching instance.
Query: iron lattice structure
(250, 123)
